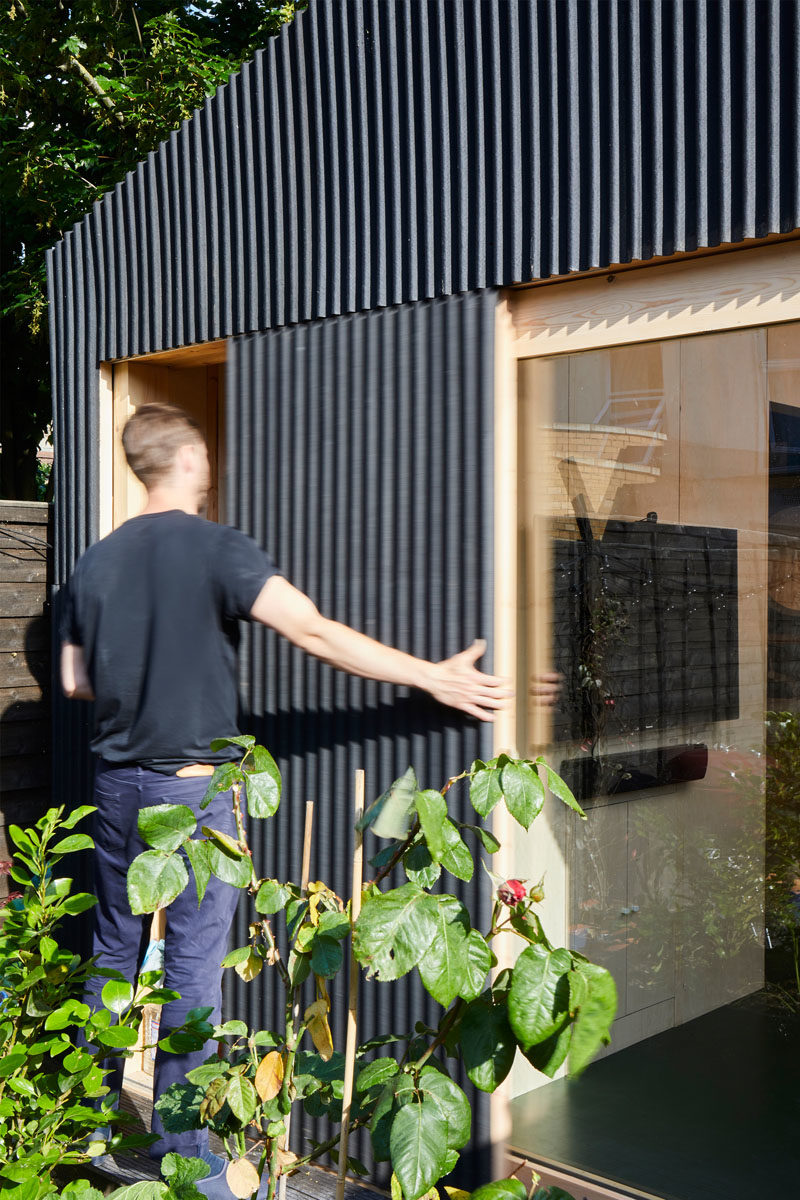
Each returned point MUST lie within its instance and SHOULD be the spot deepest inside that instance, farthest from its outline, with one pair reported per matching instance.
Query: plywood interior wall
(198, 389)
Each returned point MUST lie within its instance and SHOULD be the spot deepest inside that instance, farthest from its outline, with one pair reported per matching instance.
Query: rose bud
(511, 892)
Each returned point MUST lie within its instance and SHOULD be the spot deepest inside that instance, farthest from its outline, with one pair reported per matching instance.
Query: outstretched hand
(457, 682)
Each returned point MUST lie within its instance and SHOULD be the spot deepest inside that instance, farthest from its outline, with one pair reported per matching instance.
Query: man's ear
(186, 459)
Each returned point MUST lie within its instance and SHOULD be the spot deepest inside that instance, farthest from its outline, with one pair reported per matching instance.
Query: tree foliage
(86, 90)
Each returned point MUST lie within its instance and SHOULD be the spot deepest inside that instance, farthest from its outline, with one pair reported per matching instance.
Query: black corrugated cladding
(379, 153)
(368, 473)
(384, 151)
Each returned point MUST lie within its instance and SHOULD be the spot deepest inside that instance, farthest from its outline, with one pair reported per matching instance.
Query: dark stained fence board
(22, 570)
(19, 633)
(22, 512)
(23, 535)
(20, 669)
(25, 660)
(22, 703)
(21, 599)
(20, 772)
(26, 737)
(24, 807)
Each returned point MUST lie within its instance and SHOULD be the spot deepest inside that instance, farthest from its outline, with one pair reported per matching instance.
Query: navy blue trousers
(196, 939)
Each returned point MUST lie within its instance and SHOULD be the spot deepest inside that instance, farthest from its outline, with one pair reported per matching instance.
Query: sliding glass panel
(660, 534)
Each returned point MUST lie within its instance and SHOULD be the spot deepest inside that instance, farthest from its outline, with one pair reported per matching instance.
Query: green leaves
(523, 792)
(538, 1002)
(484, 790)
(456, 857)
(502, 1189)
(72, 843)
(419, 866)
(480, 960)
(117, 1037)
(181, 1174)
(229, 866)
(262, 784)
(326, 956)
(560, 1007)
(154, 881)
(394, 930)
(222, 780)
(117, 996)
(451, 1102)
(443, 967)
(242, 1099)
(559, 788)
(77, 814)
(271, 896)
(244, 741)
(594, 1017)
(197, 853)
(552, 1004)
(417, 1145)
(518, 782)
(432, 809)
(390, 815)
(377, 1072)
(166, 826)
(487, 1043)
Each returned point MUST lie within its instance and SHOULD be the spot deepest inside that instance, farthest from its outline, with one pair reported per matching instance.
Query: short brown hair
(152, 437)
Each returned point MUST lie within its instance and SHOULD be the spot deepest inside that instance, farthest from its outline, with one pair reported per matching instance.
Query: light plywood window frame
(714, 293)
(125, 383)
(733, 289)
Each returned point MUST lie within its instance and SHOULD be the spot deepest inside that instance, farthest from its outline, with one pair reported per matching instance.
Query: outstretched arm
(74, 676)
(454, 681)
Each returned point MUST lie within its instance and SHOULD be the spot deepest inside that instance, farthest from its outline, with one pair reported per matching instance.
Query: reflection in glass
(666, 587)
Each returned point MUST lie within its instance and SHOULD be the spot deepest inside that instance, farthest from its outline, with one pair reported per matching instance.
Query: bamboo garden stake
(304, 876)
(352, 1007)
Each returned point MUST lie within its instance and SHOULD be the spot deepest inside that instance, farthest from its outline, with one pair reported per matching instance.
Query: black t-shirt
(155, 606)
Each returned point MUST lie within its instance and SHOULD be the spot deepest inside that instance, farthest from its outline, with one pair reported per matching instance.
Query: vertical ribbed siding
(367, 475)
(73, 300)
(387, 151)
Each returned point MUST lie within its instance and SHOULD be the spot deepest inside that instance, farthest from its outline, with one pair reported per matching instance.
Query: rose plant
(553, 1005)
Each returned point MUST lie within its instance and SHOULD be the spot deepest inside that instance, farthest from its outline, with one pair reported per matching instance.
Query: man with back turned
(150, 633)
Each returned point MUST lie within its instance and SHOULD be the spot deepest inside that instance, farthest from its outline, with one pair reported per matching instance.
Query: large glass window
(660, 534)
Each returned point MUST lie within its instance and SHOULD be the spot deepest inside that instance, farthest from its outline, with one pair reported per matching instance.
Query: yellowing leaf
(456, 1193)
(285, 1158)
(320, 1008)
(317, 893)
(242, 1178)
(269, 1076)
(251, 966)
(320, 1032)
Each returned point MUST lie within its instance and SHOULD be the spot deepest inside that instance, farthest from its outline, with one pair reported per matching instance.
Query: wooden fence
(25, 727)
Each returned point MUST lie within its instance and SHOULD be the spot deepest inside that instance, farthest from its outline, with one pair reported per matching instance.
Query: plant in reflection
(680, 888)
(783, 847)
(553, 1005)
